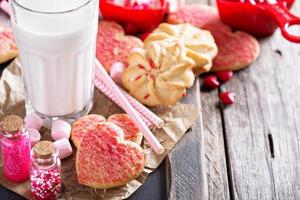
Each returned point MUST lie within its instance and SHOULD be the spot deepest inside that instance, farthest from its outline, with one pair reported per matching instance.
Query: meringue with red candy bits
(34, 136)
(63, 147)
(60, 129)
(32, 120)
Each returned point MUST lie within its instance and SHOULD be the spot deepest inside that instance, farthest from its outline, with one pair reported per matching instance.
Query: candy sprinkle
(45, 185)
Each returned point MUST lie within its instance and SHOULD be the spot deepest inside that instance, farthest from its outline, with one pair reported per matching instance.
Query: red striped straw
(150, 138)
(158, 122)
(104, 89)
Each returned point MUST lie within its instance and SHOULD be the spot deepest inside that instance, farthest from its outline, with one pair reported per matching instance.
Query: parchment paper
(177, 119)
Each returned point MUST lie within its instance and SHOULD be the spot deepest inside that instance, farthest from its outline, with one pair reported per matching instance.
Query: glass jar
(56, 41)
(15, 148)
(45, 178)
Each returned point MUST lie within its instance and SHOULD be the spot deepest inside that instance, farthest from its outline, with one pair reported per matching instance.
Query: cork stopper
(12, 123)
(44, 149)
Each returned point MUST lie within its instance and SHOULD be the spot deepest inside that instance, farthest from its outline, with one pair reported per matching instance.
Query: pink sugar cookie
(34, 136)
(60, 129)
(63, 147)
(32, 120)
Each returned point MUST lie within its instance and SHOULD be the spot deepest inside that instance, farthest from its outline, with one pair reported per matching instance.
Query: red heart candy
(224, 75)
(227, 97)
(211, 82)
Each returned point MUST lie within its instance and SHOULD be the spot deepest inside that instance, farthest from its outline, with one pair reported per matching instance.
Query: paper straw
(151, 139)
(4, 6)
(104, 89)
(143, 110)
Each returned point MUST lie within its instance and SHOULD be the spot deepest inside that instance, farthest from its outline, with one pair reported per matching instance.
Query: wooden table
(250, 150)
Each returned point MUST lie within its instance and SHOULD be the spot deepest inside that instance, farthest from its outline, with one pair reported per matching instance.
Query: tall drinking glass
(56, 41)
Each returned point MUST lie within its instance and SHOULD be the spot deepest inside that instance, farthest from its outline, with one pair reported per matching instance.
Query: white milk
(57, 53)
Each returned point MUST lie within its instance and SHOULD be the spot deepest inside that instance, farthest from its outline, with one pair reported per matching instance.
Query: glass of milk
(56, 41)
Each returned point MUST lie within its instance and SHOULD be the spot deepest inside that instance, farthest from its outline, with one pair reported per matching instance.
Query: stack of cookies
(160, 73)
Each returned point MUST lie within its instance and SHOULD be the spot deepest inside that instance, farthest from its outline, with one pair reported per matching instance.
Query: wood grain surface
(186, 175)
(250, 150)
(262, 127)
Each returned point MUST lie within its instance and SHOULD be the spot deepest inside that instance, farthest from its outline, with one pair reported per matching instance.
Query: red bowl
(144, 20)
(248, 17)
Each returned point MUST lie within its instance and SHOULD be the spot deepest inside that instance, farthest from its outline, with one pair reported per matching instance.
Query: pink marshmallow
(34, 136)
(63, 147)
(60, 129)
(32, 120)
(116, 71)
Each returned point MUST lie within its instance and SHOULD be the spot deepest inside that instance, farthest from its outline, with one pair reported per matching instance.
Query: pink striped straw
(104, 89)
(143, 110)
(4, 6)
(151, 139)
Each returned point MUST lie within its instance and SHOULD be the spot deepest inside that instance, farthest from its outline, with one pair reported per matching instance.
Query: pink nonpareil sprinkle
(45, 185)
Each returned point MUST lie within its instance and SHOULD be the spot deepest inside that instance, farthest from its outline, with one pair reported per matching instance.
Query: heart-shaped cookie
(8, 47)
(130, 129)
(87, 123)
(83, 125)
(236, 49)
(113, 45)
(105, 160)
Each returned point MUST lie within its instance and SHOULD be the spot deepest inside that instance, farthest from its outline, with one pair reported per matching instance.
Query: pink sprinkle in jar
(15, 146)
(45, 178)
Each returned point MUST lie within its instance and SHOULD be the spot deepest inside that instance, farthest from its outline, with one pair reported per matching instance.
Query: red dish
(259, 18)
(144, 20)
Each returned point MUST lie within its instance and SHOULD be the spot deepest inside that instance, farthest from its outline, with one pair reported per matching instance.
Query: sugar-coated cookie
(8, 47)
(105, 160)
(83, 125)
(236, 50)
(113, 45)
(130, 129)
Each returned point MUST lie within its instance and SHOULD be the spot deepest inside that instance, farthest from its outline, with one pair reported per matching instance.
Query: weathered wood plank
(218, 187)
(214, 147)
(262, 128)
(187, 172)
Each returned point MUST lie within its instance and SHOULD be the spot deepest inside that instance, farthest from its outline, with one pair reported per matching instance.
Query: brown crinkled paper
(177, 120)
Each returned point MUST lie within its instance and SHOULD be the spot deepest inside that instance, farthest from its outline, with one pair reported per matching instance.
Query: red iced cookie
(105, 160)
(8, 47)
(113, 45)
(236, 49)
(131, 131)
(83, 125)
